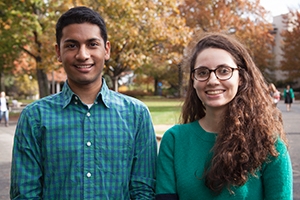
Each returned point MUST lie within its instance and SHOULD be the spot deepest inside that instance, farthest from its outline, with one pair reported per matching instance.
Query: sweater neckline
(204, 135)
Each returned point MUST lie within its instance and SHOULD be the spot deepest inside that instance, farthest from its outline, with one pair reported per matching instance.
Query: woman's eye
(224, 70)
(202, 73)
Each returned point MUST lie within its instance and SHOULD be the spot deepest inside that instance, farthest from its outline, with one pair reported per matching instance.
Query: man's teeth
(83, 66)
(214, 92)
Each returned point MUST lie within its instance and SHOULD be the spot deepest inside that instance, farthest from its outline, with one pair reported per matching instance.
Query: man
(86, 142)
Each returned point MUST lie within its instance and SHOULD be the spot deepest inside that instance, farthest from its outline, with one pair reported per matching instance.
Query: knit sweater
(184, 152)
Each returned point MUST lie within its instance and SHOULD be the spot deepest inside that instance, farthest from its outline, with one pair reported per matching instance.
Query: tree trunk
(156, 86)
(42, 82)
(180, 81)
(116, 86)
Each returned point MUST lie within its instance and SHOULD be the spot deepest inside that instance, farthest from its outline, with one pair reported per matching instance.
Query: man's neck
(87, 93)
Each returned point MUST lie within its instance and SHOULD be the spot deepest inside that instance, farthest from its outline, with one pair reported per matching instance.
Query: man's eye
(71, 46)
(93, 44)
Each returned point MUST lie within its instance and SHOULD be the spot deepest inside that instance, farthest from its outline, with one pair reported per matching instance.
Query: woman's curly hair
(251, 124)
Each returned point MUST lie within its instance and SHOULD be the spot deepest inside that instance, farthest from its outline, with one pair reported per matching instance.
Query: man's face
(82, 52)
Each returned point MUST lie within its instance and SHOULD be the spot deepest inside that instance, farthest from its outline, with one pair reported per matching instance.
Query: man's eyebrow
(75, 41)
(70, 41)
(93, 39)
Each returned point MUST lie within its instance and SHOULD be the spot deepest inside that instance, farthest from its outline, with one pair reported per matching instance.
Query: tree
(168, 35)
(245, 19)
(140, 32)
(31, 27)
(290, 62)
(7, 51)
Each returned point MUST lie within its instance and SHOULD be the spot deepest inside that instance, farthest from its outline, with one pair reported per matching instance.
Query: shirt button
(76, 102)
(76, 97)
(88, 175)
(88, 144)
(88, 114)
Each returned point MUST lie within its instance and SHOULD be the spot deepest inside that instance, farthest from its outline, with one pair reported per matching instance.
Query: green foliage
(26, 86)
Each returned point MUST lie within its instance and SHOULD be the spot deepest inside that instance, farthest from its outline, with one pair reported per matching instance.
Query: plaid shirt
(63, 150)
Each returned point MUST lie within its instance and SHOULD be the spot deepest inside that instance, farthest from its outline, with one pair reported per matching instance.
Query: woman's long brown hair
(250, 126)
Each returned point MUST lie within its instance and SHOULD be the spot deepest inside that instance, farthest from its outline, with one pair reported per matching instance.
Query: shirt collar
(102, 96)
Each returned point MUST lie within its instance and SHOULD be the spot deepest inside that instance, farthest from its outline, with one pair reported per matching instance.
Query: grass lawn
(164, 111)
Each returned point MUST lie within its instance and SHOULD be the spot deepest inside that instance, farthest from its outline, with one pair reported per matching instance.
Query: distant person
(289, 97)
(86, 142)
(231, 143)
(4, 110)
(275, 94)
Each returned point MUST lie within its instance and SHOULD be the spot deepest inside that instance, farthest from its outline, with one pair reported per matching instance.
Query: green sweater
(186, 148)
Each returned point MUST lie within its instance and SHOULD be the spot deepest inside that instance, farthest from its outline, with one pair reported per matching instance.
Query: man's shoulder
(122, 99)
(53, 99)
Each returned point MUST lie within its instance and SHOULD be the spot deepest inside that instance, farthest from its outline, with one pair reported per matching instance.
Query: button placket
(88, 174)
(88, 144)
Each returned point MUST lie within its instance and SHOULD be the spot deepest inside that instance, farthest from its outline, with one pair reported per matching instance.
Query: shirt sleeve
(292, 94)
(26, 169)
(278, 175)
(142, 183)
(166, 181)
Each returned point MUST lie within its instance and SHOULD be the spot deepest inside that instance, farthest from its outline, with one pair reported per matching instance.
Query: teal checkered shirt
(64, 150)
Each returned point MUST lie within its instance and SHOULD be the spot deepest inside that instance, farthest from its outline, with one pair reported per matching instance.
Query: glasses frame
(214, 70)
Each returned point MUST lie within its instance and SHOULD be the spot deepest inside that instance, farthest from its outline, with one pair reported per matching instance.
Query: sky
(278, 7)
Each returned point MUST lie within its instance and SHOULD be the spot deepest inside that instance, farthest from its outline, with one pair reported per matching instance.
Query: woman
(275, 94)
(231, 143)
(4, 111)
(289, 97)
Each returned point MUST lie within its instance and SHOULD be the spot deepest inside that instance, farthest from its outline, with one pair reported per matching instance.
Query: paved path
(6, 141)
(291, 124)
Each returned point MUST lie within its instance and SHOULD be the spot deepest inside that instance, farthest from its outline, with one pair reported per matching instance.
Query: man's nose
(83, 53)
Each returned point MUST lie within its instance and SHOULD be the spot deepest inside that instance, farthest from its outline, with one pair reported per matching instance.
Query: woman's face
(215, 93)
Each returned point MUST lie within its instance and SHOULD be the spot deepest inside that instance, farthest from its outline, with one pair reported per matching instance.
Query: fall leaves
(147, 37)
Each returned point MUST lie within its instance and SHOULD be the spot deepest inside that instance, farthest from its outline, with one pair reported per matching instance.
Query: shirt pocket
(114, 154)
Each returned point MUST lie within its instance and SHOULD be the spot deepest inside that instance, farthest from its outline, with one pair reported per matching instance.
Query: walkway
(291, 124)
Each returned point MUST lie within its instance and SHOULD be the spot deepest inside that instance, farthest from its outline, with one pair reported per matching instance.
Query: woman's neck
(211, 122)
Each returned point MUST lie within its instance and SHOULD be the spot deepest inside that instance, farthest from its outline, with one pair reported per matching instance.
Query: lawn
(164, 111)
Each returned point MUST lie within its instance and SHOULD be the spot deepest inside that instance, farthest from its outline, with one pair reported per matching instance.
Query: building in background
(56, 80)
(278, 27)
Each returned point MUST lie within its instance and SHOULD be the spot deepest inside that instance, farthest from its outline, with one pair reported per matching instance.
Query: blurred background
(150, 42)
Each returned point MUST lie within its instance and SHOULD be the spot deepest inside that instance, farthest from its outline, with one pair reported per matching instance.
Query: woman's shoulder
(180, 132)
(179, 129)
(281, 147)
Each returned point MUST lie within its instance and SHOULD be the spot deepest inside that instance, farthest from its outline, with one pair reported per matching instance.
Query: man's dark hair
(79, 15)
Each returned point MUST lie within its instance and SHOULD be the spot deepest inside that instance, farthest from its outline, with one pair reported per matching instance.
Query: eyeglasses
(222, 73)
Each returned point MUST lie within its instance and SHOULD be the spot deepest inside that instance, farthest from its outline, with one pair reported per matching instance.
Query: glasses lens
(201, 73)
(224, 72)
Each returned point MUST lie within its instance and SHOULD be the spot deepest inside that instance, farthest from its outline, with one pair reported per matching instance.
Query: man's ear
(58, 53)
(107, 50)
